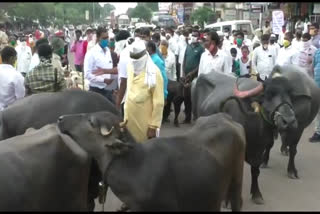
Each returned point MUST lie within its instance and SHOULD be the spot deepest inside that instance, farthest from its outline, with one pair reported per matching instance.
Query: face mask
(13, 43)
(272, 41)
(226, 34)
(286, 43)
(312, 32)
(213, 49)
(61, 51)
(265, 46)
(24, 43)
(194, 39)
(245, 36)
(112, 44)
(164, 50)
(239, 42)
(15, 64)
(306, 44)
(90, 36)
(104, 43)
(139, 64)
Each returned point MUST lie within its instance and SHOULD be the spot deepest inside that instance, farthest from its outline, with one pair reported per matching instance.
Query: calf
(175, 96)
(191, 172)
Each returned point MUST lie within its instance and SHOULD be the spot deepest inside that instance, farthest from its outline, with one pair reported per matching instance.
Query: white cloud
(121, 7)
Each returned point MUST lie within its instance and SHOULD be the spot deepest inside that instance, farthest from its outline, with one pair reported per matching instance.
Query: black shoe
(315, 138)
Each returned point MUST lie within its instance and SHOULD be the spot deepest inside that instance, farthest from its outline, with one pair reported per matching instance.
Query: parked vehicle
(243, 25)
(164, 21)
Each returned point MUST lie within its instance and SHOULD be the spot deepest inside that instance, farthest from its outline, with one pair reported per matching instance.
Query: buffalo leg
(177, 108)
(292, 138)
(255, 191)
(266, 154)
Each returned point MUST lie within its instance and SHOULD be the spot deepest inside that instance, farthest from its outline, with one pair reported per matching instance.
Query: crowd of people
(132, 70)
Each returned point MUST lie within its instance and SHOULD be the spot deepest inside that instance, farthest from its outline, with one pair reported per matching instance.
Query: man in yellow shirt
(144, 103)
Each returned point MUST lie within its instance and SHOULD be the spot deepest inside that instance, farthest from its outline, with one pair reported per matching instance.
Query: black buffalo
(40, 171)
(39, 110)
(191, 172)
(175, 96)
(285, 103)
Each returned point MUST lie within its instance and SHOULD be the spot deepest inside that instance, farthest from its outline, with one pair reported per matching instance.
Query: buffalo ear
(119, 147)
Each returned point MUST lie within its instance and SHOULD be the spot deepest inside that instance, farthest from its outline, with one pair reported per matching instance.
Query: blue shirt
(160, 64)
(316, 63)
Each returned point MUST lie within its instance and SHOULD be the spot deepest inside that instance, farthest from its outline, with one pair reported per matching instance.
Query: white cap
(138, 46)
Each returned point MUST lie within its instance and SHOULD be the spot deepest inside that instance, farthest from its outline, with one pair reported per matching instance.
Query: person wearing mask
(98, 65)
(137, 33)
(35, 60)
(3, 37)
(151, 48)
(281, 35)
(90, 41)
(145, 36)
(122, 73)
(190, 67)
(235, 66)
(266, 28)
(246, 41)
(316, 66)
(44, 77)
(143, 108)
(245, 62)
(264, 59)
(306, 25)
(306, 54)
(24, 55)
(315, 34)
(297, 41)
(77, 49)
(172, 40)
(170, 60)
(182, 45)
(299, 25)
(287, 54)
(58, 51)
(213, 60)
(273, 45)
(11, 81)
(239, 40)
(121, 39)
(13, 41)
(227, 41)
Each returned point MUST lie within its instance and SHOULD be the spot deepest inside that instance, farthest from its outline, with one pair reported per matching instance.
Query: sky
(121, 7)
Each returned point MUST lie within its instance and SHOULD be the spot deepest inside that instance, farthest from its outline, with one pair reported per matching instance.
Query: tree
(107, 8)
(154, 6)
(201, 15)
(141, 11)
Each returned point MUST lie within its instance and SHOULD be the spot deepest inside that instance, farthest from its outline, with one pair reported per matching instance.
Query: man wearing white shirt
(98, 65)
(306, 54)
(240, 43)
(297, 42)
(11, 81)
(35, 60)
(263, 59)
(227, 41)
(273, 45)
(213, 59)
(182, 45)
(287, 54)
(24, 55)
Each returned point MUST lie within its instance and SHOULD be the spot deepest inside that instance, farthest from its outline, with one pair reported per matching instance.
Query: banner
(277, 21)
(180, 15)
(87, 14)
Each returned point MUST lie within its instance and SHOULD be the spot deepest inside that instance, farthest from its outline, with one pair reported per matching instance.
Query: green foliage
(142, 12)
(154, 6)
(201, 15)
(58, 13)
(107, 8)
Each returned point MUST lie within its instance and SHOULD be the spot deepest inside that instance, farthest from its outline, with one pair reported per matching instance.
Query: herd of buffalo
(57, 147)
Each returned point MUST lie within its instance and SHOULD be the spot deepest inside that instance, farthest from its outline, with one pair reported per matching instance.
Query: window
(244, 27)
(216, 28)
(225, 27)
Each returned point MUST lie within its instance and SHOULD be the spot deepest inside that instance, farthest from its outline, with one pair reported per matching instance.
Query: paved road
(280, 193)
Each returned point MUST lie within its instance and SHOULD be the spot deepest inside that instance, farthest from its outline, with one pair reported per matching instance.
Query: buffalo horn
(255, 106)
(123, 124)
(248, 93)
(104, 131)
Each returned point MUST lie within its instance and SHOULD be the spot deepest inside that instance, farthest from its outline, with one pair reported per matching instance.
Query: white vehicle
(145, 25)
(242, 25)
(123, 21)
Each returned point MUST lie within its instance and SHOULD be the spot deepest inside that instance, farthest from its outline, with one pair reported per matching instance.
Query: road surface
(279, 192)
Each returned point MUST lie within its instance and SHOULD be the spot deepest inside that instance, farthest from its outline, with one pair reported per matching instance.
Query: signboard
(180, 14)
(164, 6)
(277, 21)
(316, 8)
(87, 14)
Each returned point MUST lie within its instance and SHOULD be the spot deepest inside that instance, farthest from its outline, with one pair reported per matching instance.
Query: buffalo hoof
(285, 153)
(264, 165)
(258, 200)
(293, 175)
